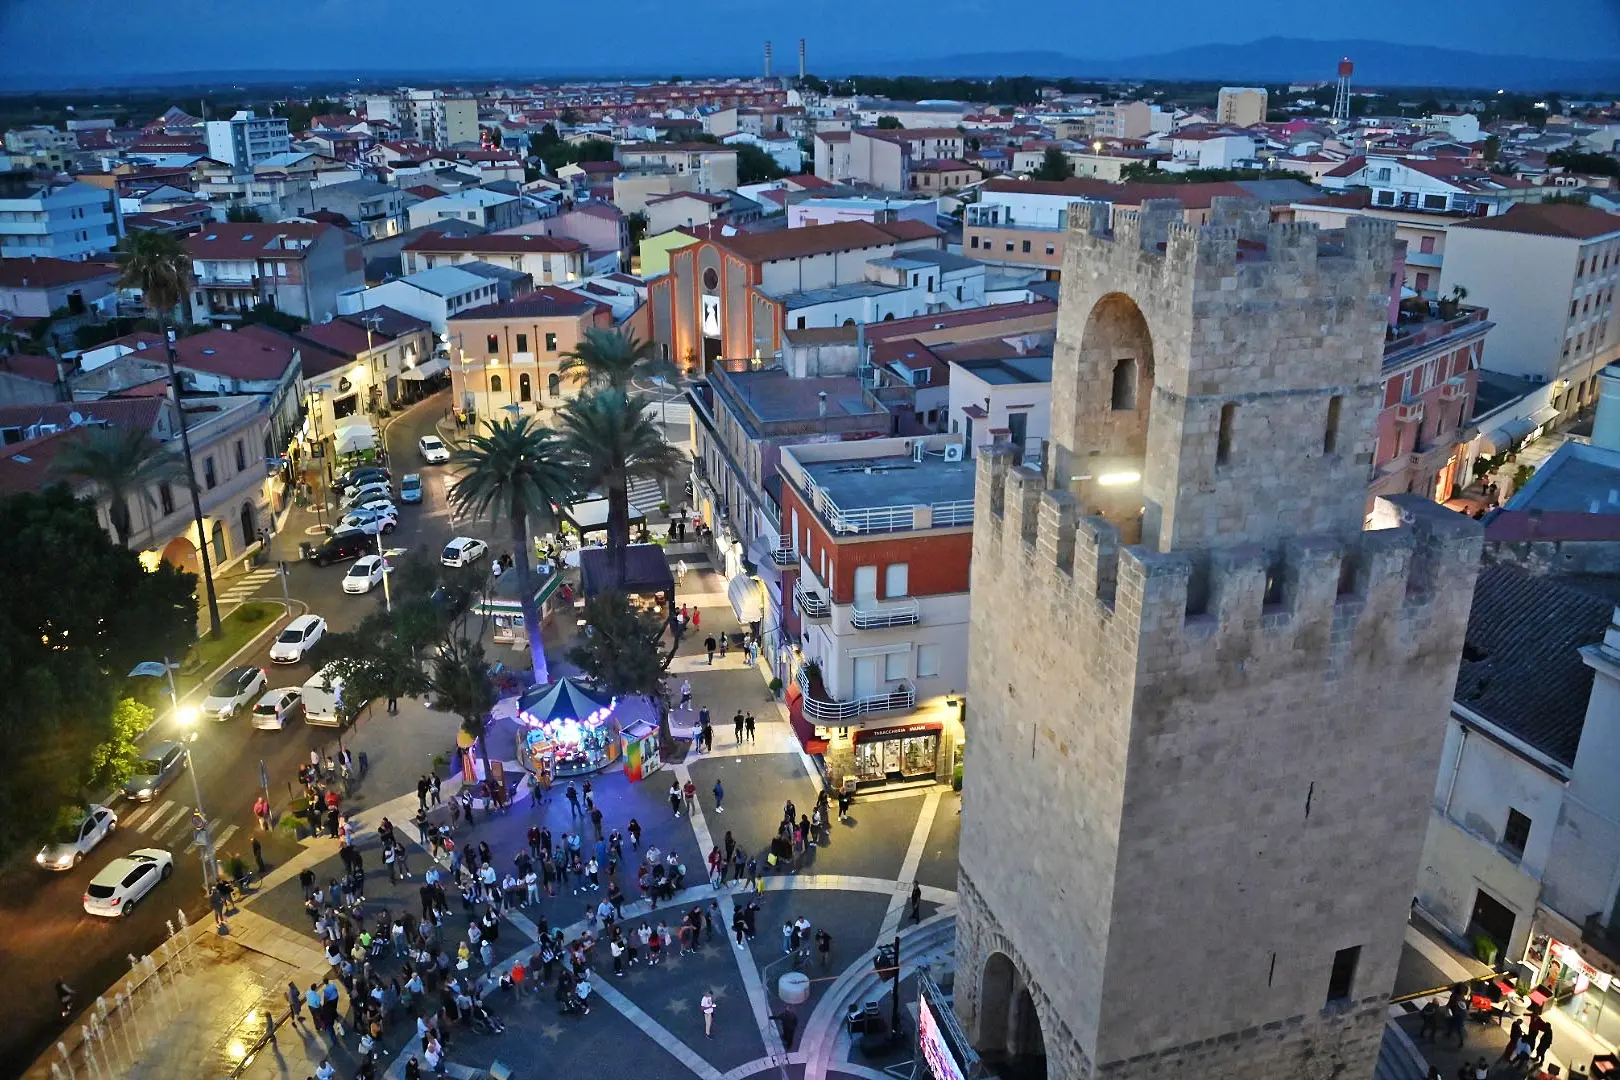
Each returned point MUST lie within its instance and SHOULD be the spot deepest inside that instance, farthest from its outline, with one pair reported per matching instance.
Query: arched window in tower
(1330, 436)
(1124, 391)
(1223, 440)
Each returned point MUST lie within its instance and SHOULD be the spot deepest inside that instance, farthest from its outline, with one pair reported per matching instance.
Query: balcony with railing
(784, 553)
(876, 615)
(826, 711)
(811, 603)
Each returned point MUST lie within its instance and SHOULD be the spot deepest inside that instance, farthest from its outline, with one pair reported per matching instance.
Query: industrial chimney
(767, 59)
(801, 59)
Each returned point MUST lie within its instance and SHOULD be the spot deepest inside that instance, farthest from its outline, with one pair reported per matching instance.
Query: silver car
(161, 764)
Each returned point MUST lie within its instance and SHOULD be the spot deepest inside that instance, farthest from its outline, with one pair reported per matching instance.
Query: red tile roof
(805, 182)
(36, 273)
(26, 466)
(813, 240)
(423, 191)
(139, 413)
(253, 353)
(1569, 221)
(506, 243)
(254, 239)
(27, 366)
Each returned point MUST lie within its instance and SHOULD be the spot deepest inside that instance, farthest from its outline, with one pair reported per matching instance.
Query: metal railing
(813, 605)
(784, 555)
(825, 712)
(876, 616)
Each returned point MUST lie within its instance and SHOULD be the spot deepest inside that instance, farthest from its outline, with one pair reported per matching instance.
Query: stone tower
(1206, 696)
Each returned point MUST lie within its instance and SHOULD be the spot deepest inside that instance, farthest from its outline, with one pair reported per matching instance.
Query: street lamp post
(191, 486)
(205, 837)
(388, 597)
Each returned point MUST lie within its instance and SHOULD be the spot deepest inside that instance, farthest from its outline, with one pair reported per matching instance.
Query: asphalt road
(48, 935)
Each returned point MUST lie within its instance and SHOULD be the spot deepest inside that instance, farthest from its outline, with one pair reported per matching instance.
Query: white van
(323, 695)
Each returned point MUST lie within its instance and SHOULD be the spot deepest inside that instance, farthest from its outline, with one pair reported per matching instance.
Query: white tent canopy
(591, 514)
(353, 438)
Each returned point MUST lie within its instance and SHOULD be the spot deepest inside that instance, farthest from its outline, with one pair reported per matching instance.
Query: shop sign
(898, 732)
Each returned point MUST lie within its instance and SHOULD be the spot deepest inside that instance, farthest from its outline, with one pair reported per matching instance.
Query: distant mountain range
(1269, 60)
(1278, 60)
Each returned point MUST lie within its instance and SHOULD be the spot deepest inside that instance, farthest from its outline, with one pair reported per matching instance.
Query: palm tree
(155, 263)
(519, 470)
(610, 359)
(613, 439)
(121, 464)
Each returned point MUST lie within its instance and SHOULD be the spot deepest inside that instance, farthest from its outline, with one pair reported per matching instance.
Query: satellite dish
(76, 417)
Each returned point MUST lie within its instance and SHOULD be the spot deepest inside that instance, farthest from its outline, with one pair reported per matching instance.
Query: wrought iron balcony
(813, 605)
(880, 616)
(827, 712)
(784, 555)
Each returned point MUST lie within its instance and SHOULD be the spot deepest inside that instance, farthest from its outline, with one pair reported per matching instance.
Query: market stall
(566, 729)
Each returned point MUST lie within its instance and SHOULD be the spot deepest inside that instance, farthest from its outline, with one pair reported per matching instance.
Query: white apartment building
(246, 140)
(1002, 399)
(1547, 272)
(428, 116)
(51, 219)
(430, 295)
(489, 210)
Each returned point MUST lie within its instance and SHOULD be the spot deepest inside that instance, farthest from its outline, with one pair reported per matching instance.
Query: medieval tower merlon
(1206, 698)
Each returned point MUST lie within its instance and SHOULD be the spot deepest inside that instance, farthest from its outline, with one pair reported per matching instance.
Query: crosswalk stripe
(174, 819)
(225, 837)
(219, 837)
(645, 493)
(154, 816)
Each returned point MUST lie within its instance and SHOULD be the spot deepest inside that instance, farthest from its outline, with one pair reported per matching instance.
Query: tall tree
(461, 685)
(612, 440)
(121, 464)
(70, 628)
(518, 470)
(608, 359)
(622, 654)
(156, 264)
(1054, 166)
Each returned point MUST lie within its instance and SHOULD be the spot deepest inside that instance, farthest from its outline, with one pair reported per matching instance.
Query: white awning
(743, 592)
(593, 514)
(354, 438)
(427, 369)
(1502, 437)
(1544, 416)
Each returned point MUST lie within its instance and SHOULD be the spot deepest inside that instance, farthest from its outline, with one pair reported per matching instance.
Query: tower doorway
(1009, 1037)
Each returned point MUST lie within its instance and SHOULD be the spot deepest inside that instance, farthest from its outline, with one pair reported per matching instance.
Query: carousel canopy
(565, 699)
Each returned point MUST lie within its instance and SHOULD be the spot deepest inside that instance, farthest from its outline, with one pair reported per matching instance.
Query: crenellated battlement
(1239, 238)
(1378, 588)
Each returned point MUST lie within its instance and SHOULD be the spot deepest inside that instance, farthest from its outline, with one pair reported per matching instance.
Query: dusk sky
(91, 38)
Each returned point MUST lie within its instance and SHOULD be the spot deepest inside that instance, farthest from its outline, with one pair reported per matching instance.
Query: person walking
(295, 1003)
(675, 797)
(258, 858)
(571, 793)
(707, 1005)
(690, 793)
(748, 725)
(1543, 1042)
(824, 945)
(737, 727)
(437, 798)
(719, 798)
(709, 647)
(422, 789)
(686, 693)
(916, 903)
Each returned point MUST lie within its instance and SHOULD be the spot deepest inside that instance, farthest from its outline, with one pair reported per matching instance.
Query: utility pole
(191, 484)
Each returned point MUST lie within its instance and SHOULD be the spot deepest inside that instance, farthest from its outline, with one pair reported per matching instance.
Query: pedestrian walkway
(646, 494)
(235, 590)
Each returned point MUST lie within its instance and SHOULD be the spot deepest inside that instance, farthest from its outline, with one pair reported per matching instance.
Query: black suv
(340, 547)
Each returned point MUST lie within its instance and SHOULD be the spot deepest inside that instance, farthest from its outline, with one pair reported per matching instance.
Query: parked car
(355, 496)
(340, 546)
(377, 503)
(233, 692)
(123, 882)
(434, 452)
(323, 698)
(157, 767)
(371, 520)
(366, 574)
(463, 551)
(277, 708)
(364, 474)
(410, 488)
(68, 847)
(298, 638)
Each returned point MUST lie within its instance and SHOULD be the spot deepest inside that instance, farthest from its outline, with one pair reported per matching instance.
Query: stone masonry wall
(1201, 766)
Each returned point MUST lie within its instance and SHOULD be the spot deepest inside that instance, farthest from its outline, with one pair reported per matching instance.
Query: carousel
(566, 729)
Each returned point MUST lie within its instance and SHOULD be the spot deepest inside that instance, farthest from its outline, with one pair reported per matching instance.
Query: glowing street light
(188, 716)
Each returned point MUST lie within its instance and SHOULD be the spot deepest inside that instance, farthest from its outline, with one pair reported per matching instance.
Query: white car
(371, 520)
(122, 882)
(379, 503)
(71, 844)
(463, 551)
(366, 492)
(434, 452)
(297, 639)
(277, 707)
(366, 574)
(235, 691)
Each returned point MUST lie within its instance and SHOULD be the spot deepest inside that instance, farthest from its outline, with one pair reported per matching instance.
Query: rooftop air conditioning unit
(918, 449)
(953, 452)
